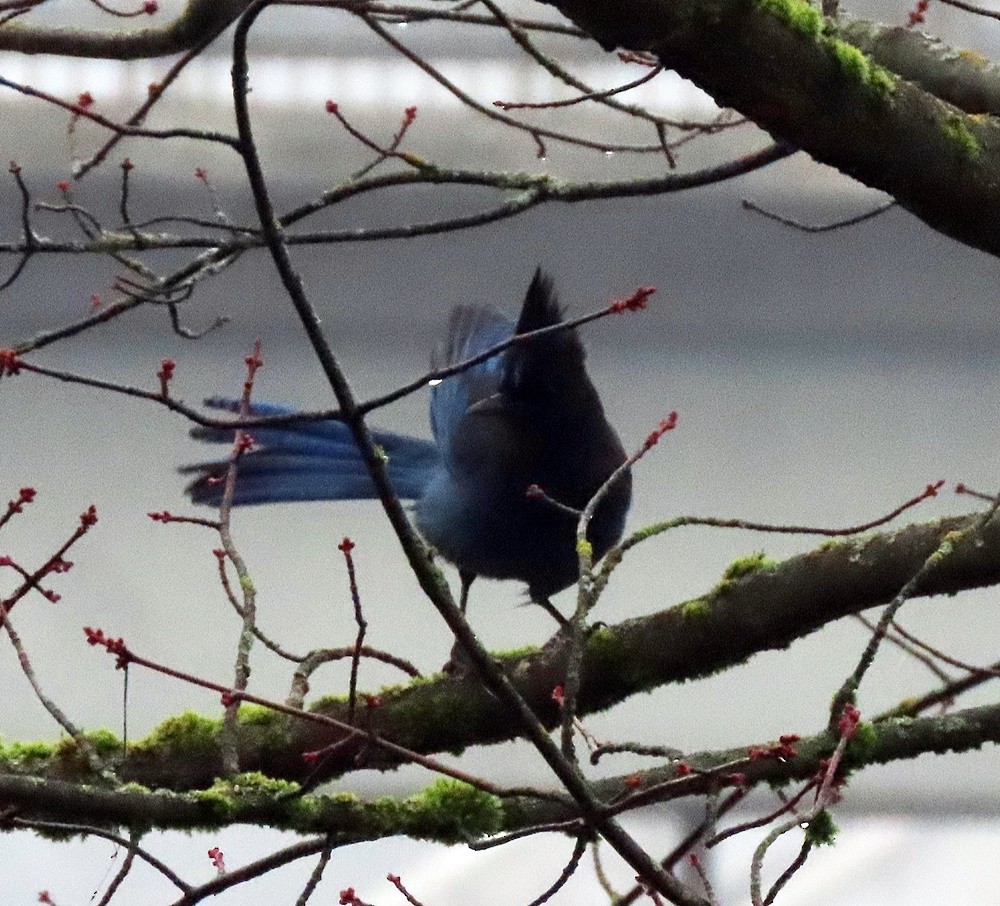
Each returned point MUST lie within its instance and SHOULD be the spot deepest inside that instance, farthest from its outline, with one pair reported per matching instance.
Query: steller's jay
(528, 416)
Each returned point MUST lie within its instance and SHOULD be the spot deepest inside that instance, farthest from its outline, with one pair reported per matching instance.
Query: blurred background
(821, 379)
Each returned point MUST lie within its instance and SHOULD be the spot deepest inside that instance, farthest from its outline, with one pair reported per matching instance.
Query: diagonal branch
(815, 90)
(768, 608)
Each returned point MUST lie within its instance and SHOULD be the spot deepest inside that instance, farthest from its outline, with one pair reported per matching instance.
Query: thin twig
(346, 547)
(66, 828)
(896, 638)
(848, 690)
(83, 745)
(122, 872)
(317, 873)
(614, 557)
(568, 871)
(84, 112)
(823, 227)
(536, 132)
(156, 91)
(228, 737)
(972, 8)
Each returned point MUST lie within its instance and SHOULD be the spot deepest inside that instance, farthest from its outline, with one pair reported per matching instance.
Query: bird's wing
(471, 330)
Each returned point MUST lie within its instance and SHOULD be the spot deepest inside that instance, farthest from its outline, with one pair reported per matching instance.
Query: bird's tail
(307, 461)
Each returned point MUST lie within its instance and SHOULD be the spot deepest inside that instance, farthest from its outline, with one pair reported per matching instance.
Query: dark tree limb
(763, 610)
(347, 819)
(961, 77)
(781, 64)
(200, 20)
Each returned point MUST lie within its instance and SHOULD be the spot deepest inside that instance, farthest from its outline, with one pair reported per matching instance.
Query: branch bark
(795, 74)
(451, 814)
(201, 20)
(763, 610)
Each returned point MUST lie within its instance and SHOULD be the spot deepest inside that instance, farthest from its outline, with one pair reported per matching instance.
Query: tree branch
(200, 20)
(813, 89)
(430, 815)
(762, 610)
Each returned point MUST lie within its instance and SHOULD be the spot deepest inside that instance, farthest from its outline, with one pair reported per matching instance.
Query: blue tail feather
(309, 461)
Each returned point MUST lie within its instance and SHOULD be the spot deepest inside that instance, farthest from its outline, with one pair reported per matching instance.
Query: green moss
(906, 706)
(743, 566)
(650, 531)
(608, 655)
(822, 830)
(436, 715)
(604, 645)
(428, 679)
(251, 783)
(254, 782)
(850, 59)
(974, 58)
(752, 563)
(21, 753)
(332, 702)
(103, 742)
(58, 836)
(257, 715)
(806, 20)
(861, 746)
(187, 733)
(857, 65)
(452, 811)
(957, 130)
(265, 728)
(430, 713)
(585, 549)
(133, 787)
(796, 14)
(695, 609)
(219, 801)
(224, 797)
(517, 654)
(882, 80)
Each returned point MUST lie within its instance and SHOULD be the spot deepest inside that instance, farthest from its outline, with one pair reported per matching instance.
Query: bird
(526, 419)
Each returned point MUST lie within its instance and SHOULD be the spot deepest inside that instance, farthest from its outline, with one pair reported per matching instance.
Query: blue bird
(528, 416)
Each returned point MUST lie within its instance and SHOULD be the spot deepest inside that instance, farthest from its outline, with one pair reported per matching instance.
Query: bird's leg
(458, 661)
(550, 608)
(466, 579)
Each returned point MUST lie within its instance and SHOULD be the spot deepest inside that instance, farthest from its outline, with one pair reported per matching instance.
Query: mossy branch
(964, 78)
(760, 606)
(798, 76)
(449, 811)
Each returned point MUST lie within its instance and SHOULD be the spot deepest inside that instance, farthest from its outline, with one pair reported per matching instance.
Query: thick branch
(780, 64)
(963, 78)
(201, 20)
(766, 609)
(455, 813)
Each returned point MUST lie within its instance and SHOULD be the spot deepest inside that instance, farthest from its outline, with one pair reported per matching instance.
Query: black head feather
(541, 306)
(545, 363)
